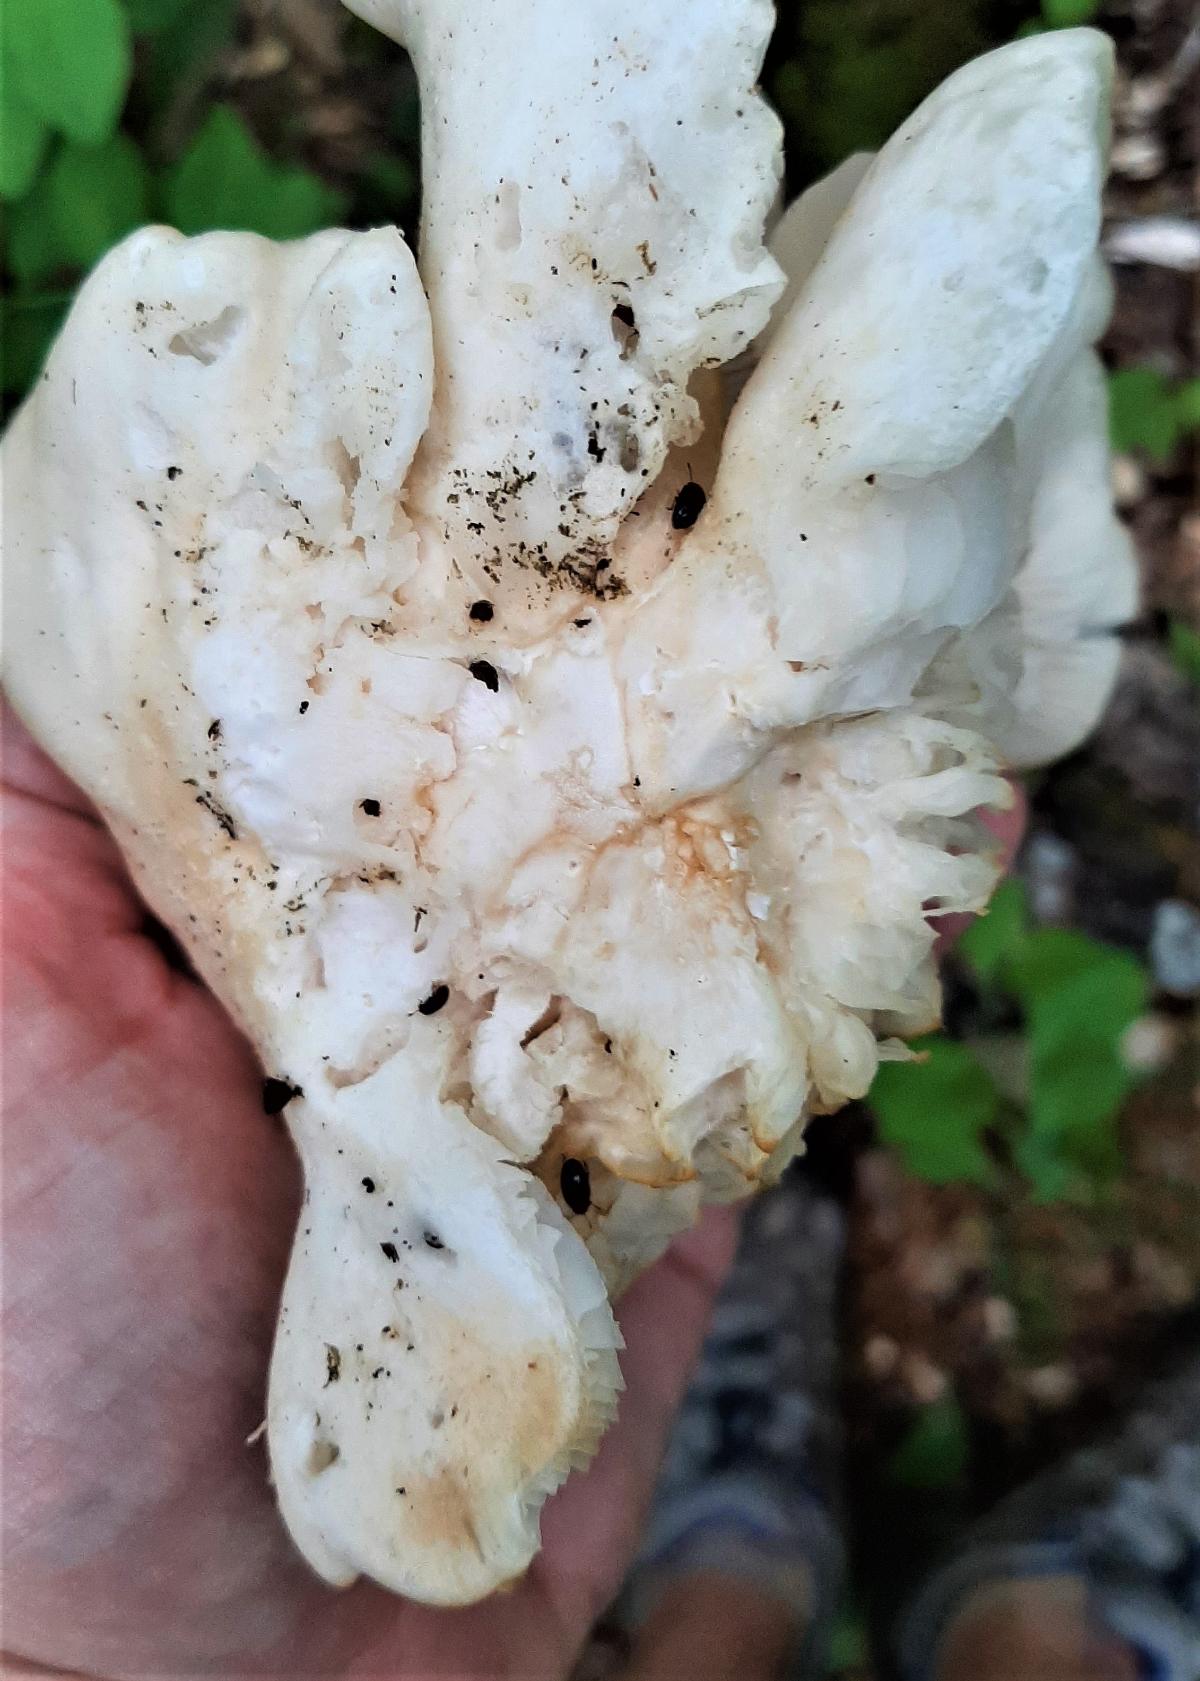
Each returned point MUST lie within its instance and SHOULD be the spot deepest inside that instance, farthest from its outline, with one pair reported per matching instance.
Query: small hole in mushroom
(321, 1455)
(205, 342)
(624, 330)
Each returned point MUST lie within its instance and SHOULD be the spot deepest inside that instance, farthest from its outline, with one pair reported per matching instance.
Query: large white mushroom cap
(517, 821)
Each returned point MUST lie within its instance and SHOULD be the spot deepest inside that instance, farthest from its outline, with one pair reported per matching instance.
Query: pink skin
(148, 1207)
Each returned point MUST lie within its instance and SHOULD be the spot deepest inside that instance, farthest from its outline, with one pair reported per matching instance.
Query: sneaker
(1124, 1517)
(749, 1484)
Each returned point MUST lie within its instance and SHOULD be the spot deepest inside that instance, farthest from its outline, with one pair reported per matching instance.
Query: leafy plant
(934, 1452)
(936, 1111)
(1184, 644)
(1151, 413)
(76, 183)
(90, 197)
(845, 76)
(1069, 14)
(1078, 997)
(66, 67)
(225, 180)
(1061, 14)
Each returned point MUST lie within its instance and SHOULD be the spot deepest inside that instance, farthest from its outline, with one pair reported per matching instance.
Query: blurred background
(1024, 1206)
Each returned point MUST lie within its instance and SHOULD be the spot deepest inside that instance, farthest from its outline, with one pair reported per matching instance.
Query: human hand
(148, 1208)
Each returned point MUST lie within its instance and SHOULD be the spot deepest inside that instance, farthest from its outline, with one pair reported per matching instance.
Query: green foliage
(935, 1451)
(848, 75)
(1150, 413)
(990, 939)
(225, 180)
(1184, 644)
(934, 1112)
(849, 1640)
(68, 61)
(1077, 997)
(1187, 404)
(1061, 14)
(76, 184)
(1069, 14)
(23, 140)
(183, 46)
(91, 197)
(27, 328)
(152, 17)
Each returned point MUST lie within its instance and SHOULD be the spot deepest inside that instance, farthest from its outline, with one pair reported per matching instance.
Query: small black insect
(368, 1183)
(485, 672)
(277, 1094)
(482, 611)
(431, 1005)
(392, 1253)
(214, 730)
(371, 807)
(688, 506)
(576, 1185)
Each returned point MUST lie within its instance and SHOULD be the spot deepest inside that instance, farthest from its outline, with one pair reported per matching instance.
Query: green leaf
(1143, 413)
(1080, 997)
(1077, 1088)
(393, 179)
(849, 1645)
(1069, 14)
(935, 1112)
(936, 1450)
(31, 246)
(91, 197)
(96, 195)
(224, 180)
(28, 326)
(993, 937)
(181, 53)
(1184, 644)
(1077, 984)
(151, 17)
(70, 61)
(1187, 404)
(23, 137)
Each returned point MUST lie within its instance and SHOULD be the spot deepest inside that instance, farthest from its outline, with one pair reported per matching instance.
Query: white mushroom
(562, 843)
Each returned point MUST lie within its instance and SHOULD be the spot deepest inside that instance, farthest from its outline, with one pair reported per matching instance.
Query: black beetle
(688, 506)
(576, 1185)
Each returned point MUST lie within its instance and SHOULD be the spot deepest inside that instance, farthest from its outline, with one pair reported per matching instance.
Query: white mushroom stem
(595, 187)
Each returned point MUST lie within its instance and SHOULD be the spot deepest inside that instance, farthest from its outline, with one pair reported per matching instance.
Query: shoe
(1124, 1517)
(749, 1487)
